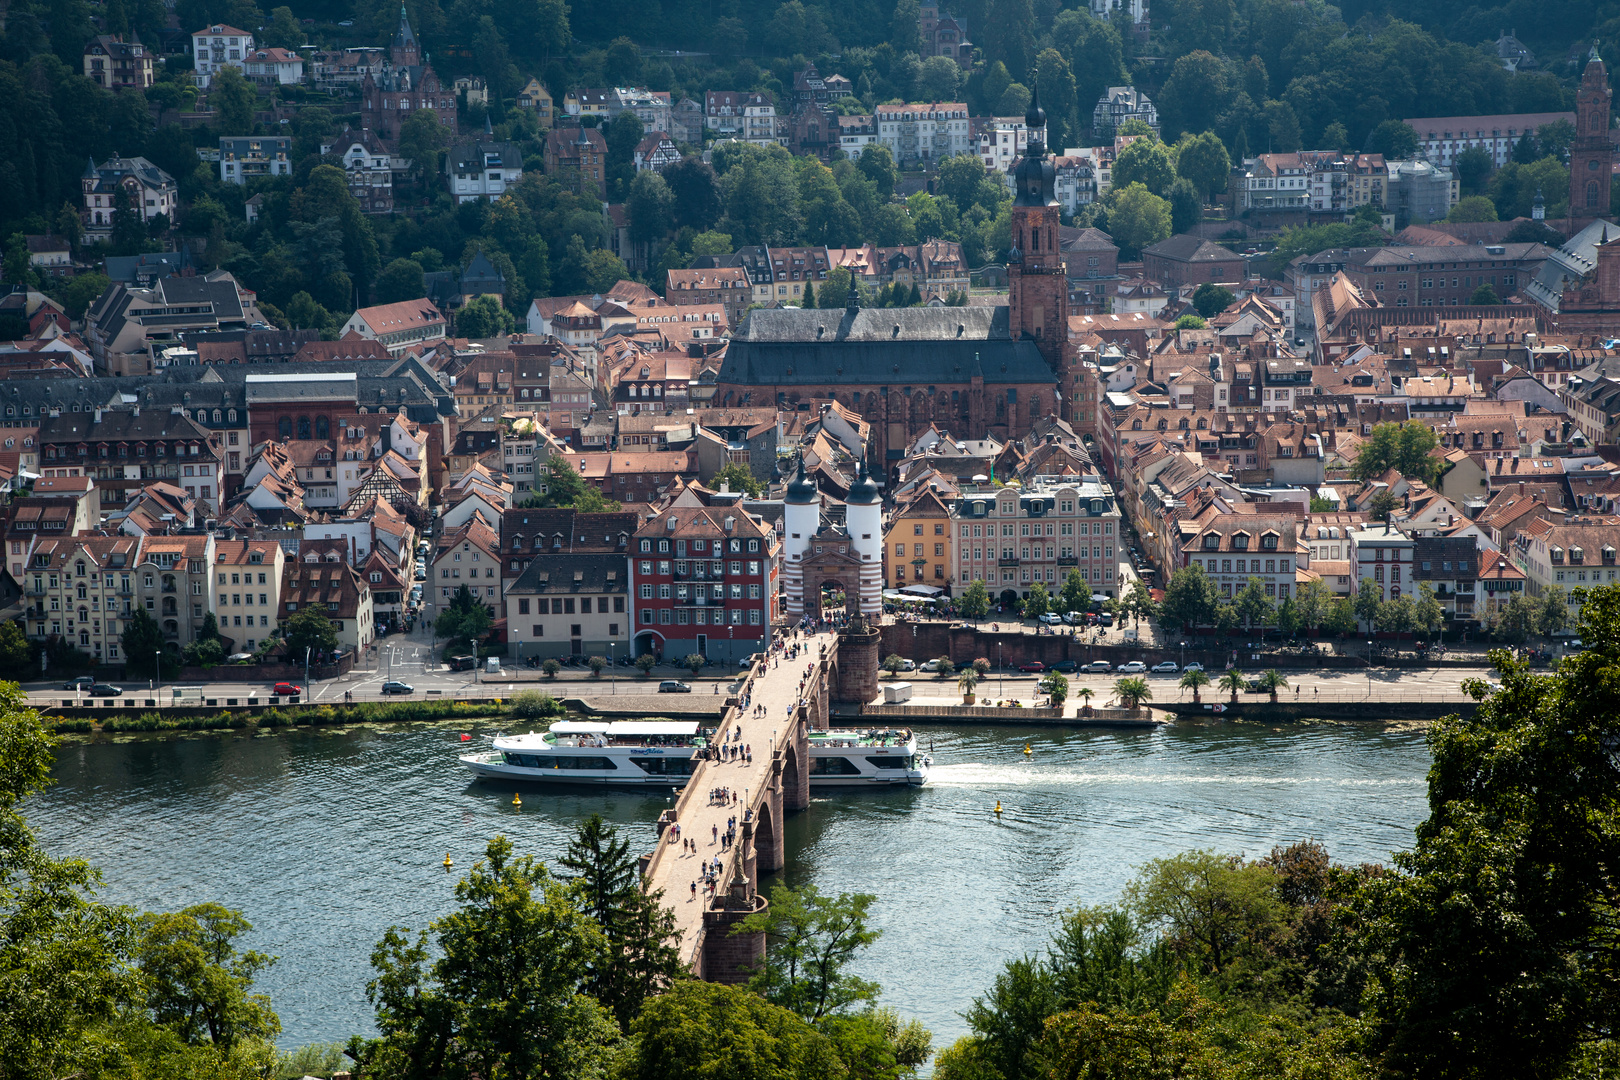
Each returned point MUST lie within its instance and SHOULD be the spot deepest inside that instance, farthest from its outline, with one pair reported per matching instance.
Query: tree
(967, 682)
(975, 601)
(938, 79)
(233, 99)
(1190, 598)
(565, 487)
(1490, 945)
(639, 958)
(422, 137)
(1194, 680)
(484, 317)
(876, 163)
(1395, 615)
(1369, 598)
(1396, 140)
(503, 994)
(650, 206)
(694, 662)
(464, 618)
(596, 664)
(1137, 218)
(646, 662)
(1186, 207)
(17, 660)
(400, 280)
(195, 981)
(1235, 682)
(704, 1029)
(1271, 681)
(1253, 606)
(142, 642)
(1036, 603)
(309, 628)
(1210, 299)
(1382, 504)
(1473, 208)
(811, 942)
(1132, 691)
(534, 705)
(1076, 594)
(1402, 446)
(1145, 161)
(1203, 160)
(128, 230)
(1485, 296)
(1211, 908)
(943, 668)
(551, 666)
(1427, 614)
(1341, 617)
(1473, 167)
(1057, 688)
(894, 663)
(1518, 618)
(283, 31)
(739, 478)
(1552, 613)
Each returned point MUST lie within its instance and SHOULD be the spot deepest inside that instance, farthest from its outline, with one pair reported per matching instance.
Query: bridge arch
(766, 829)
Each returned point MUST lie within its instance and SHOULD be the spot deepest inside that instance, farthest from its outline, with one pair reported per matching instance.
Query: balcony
(1007, 560)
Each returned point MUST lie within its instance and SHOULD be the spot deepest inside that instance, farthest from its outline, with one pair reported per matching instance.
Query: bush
(534, 705)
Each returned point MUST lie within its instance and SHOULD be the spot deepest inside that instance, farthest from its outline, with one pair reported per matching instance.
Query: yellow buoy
(1027, 750)
(517, 800)
(998, 807)
(448, 863)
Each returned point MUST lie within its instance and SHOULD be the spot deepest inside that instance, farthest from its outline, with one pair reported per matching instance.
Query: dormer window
(1212, 541)
(1556, 554)
(1240, 541)
(1269, 541)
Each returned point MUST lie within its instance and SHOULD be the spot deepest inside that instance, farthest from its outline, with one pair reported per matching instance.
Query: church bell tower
(1038, 289)
(1591, 154)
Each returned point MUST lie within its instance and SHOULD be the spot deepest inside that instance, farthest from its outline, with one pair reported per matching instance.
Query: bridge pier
(858, 662)
(796, 763)
(727, 957)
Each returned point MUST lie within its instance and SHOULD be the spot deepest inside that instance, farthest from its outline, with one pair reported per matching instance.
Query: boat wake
(974, 774)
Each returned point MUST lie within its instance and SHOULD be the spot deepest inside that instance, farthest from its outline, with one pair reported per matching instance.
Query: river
(326, 838)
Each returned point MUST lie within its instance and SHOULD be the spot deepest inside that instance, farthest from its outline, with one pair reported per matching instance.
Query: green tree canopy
(1404, 447)
(310, 629)
(811, 942)
(464, 618)
(702, 1029)
(1137, 218)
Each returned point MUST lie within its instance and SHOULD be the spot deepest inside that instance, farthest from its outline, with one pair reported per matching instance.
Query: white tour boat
(667, 752)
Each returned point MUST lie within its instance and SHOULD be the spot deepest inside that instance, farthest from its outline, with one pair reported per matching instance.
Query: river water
(326, 838)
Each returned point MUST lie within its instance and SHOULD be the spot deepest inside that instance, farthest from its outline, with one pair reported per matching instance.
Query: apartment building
(923, 132)
(921, 544)
(1010, 538)
(81, 589)
(705, 581)
(218, 46)
(570, 605)
(247, 590)
(320, 576)
(243, 159)
(1232, 548)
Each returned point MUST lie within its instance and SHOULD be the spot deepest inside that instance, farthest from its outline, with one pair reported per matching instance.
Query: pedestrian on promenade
(694, 889)
(715, 831)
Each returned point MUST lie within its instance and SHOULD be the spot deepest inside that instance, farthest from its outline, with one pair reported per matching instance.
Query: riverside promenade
(792, 686)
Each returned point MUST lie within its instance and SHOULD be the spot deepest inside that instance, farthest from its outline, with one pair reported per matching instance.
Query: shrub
(533, 705)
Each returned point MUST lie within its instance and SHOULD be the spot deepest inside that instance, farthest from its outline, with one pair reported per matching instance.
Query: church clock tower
(1591, 154)
(1038, 288)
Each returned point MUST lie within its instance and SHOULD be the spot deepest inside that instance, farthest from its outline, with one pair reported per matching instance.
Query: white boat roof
(625, 727)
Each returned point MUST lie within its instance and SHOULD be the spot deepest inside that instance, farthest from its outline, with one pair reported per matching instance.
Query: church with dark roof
(976, 371)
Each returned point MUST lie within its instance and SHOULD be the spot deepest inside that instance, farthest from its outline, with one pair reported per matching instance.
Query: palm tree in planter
(892, 664)
(1084, 694)
(1194, 680)
(1234, 681)
(1057, 689)
(1132, 691)
(1272, 681)
(968, 681)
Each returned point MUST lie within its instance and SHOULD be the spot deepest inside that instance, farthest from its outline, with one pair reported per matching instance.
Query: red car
(288, 688)
(1034, 667)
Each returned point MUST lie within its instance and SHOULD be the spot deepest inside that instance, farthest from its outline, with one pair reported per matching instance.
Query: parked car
(931, 665)
(1134, 667)
(104, 690)
(462, 663)
(1098, 667)
(1034, 667)
(1194, 666)
(421, 574)
(81, 682)
(1065, 666)
(1073, 618)
(1257, 687)
(1051, 618)
(288, 688)
(394, 686)
(1105, 619)
(670, 686)
(1167, 667)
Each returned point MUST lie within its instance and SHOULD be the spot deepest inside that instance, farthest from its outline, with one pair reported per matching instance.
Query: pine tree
(809, 295)
(640, 957)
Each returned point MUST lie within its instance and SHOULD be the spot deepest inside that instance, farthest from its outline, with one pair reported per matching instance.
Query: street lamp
(613, 677)
(1369, 668)
(1001, 672)
(306, 670)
